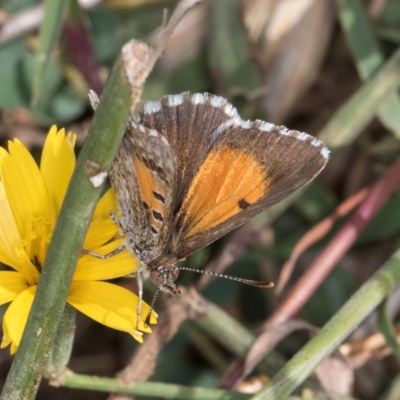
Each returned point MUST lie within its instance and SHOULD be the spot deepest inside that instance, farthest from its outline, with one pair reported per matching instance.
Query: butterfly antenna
(260, 284)
(147, 320)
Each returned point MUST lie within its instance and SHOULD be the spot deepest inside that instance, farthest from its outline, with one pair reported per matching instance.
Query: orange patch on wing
(149, 183)
(227, 183)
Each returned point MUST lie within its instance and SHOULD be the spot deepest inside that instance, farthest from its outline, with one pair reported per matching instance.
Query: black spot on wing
(159, 197)
(158, 216)
(243, 204)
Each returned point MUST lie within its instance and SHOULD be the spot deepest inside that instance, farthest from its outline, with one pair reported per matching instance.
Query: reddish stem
(338, 246)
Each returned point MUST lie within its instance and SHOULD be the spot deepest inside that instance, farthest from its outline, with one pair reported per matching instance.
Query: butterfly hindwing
(143, 175)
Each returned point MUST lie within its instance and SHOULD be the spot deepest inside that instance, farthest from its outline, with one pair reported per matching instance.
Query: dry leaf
(336, 374)
(283, 34)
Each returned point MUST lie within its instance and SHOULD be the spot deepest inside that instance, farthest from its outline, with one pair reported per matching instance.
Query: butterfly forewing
(187, 122)
(249, 167)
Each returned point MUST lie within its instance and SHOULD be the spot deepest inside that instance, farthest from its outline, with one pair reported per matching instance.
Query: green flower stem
(358, 307)
(62, 347)
(47, 310)
(233, 336)
(153, 389)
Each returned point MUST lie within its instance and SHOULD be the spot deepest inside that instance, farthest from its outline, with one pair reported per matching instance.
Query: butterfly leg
(140, 278)
(113, 253)
(115, 219)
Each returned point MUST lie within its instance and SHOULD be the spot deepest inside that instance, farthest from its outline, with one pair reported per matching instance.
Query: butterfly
(189, 170)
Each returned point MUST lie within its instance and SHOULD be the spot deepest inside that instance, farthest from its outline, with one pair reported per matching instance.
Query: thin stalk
(153, 389)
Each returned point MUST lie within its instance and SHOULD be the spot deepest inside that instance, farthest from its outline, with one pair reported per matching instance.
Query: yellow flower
(30, 201)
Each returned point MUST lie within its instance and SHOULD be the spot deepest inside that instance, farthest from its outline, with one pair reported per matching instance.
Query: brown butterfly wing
(227, 170)
(249, 167)
(187, 121)
(143, 175)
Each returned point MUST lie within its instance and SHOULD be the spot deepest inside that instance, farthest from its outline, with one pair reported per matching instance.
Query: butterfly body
(189, 170)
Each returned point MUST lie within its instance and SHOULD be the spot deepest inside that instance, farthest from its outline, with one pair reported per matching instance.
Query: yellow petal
(106, 203)
(24, 186)
(102, 228)
(92, 268)
(109, 304)
(100, 231)
(11, 285)
(12, 252)
(15, 318)
(9, 235)
(57, 164)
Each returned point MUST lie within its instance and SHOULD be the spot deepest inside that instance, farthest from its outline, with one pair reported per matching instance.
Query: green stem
(47, 310)
(360, 305)
(153, 389)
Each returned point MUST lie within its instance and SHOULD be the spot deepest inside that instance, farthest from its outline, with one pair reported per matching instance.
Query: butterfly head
(164, 277)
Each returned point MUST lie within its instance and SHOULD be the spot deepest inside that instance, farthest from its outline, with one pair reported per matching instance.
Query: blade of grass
(360, 305)
(368, 56)
(359, 110)
(54, 15)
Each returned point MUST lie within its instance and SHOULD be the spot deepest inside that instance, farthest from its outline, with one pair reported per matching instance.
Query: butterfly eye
(165, 276)
(158, 277)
